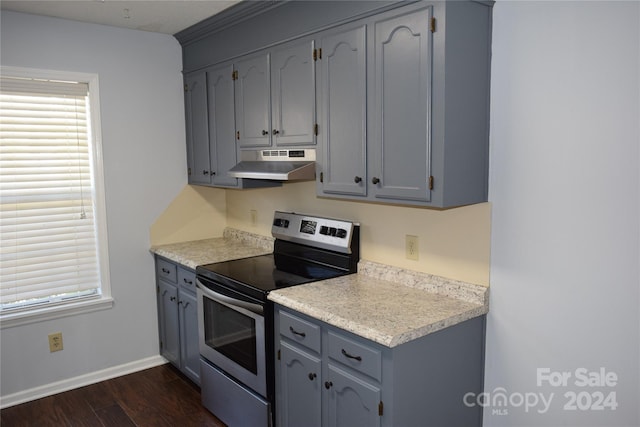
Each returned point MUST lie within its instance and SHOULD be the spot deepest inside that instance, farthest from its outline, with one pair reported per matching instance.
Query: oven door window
(231, 333)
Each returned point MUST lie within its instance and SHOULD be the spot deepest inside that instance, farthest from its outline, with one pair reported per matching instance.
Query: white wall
(565, 222)
(144, 168)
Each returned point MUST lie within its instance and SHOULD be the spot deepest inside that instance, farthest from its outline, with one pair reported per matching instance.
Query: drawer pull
(188, 282)
(293, 331)
(345, 354)
(165, 271)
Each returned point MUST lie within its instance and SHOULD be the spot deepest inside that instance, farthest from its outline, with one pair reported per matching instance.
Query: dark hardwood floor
(156, 397)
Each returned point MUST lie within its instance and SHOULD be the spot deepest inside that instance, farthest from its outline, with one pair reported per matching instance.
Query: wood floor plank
(156, 397)
(114, 416)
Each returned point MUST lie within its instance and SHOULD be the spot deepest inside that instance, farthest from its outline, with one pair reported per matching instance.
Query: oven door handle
(254, 308)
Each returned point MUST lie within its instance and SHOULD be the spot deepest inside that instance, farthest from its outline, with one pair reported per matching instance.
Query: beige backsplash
(453, 243)
(196, 213)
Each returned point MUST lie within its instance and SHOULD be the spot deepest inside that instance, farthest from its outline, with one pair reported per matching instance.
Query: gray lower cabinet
(328, 377)
(300, 388)
(177, 317)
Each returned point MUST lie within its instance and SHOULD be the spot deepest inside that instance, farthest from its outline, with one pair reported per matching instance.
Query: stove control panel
(327, 233)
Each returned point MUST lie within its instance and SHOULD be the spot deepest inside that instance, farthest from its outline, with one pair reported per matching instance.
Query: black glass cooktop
(261, 274)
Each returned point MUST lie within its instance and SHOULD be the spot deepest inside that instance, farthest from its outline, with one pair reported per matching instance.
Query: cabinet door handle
(345, 354)
(293, 331)
(205, 172)
(375, 180)
(172, 299)
(328, 384)
(276, 132)
(357, 179)
(312, 376)
(264, 132)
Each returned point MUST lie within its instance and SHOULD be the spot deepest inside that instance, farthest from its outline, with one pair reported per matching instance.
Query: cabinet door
(352, 402)
(343, 112)
(169, 322)
(189, 351)
(252, 96)
(221, 124)
(300, 388)
(402, 103)
(197, 128)
(293, 94)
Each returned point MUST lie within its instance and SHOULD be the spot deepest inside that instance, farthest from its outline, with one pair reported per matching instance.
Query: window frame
(104, 300)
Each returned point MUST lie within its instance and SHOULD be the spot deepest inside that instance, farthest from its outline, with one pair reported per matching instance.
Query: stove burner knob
(332, 231)
(279, 222)
(324, 230)
(341, 233)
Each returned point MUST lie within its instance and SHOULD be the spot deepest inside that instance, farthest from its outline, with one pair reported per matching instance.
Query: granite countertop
(386, 304)
(234, 244)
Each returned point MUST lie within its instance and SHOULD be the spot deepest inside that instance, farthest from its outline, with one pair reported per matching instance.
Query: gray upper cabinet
(401, 123)
(197, 128)
(425, 128)
(343, 111)
(253, 102)
(212, 148)
(275, 97)
(399, 109)
(293, 94)
(221, 121)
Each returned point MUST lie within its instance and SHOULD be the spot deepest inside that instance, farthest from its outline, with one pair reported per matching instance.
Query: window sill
(10, 320)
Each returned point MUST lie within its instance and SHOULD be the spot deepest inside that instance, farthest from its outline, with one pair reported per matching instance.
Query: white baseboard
(80, 381)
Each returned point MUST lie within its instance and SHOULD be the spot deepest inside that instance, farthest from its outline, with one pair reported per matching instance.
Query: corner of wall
(195, 213)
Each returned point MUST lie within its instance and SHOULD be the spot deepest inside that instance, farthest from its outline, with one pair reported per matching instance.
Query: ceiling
(160, 16)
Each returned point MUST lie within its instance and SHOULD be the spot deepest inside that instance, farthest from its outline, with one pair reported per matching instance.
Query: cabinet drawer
(166, 270)
(357, 356)
(300, 331)
(187, 279)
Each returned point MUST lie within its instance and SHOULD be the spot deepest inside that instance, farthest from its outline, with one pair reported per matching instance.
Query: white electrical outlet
(411, 247)
(55, 342)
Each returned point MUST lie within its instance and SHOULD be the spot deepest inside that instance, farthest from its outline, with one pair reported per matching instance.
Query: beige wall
(453, 243)
(196, 213)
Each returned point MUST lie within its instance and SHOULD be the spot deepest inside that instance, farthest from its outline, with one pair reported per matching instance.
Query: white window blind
(48, 242)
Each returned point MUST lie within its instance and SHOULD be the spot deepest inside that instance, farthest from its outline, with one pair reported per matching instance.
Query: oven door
(231, 334)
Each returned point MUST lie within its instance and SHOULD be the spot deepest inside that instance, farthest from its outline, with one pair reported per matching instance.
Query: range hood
(279, 165)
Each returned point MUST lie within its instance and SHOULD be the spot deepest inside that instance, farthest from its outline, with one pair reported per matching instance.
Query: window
(53, 247)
